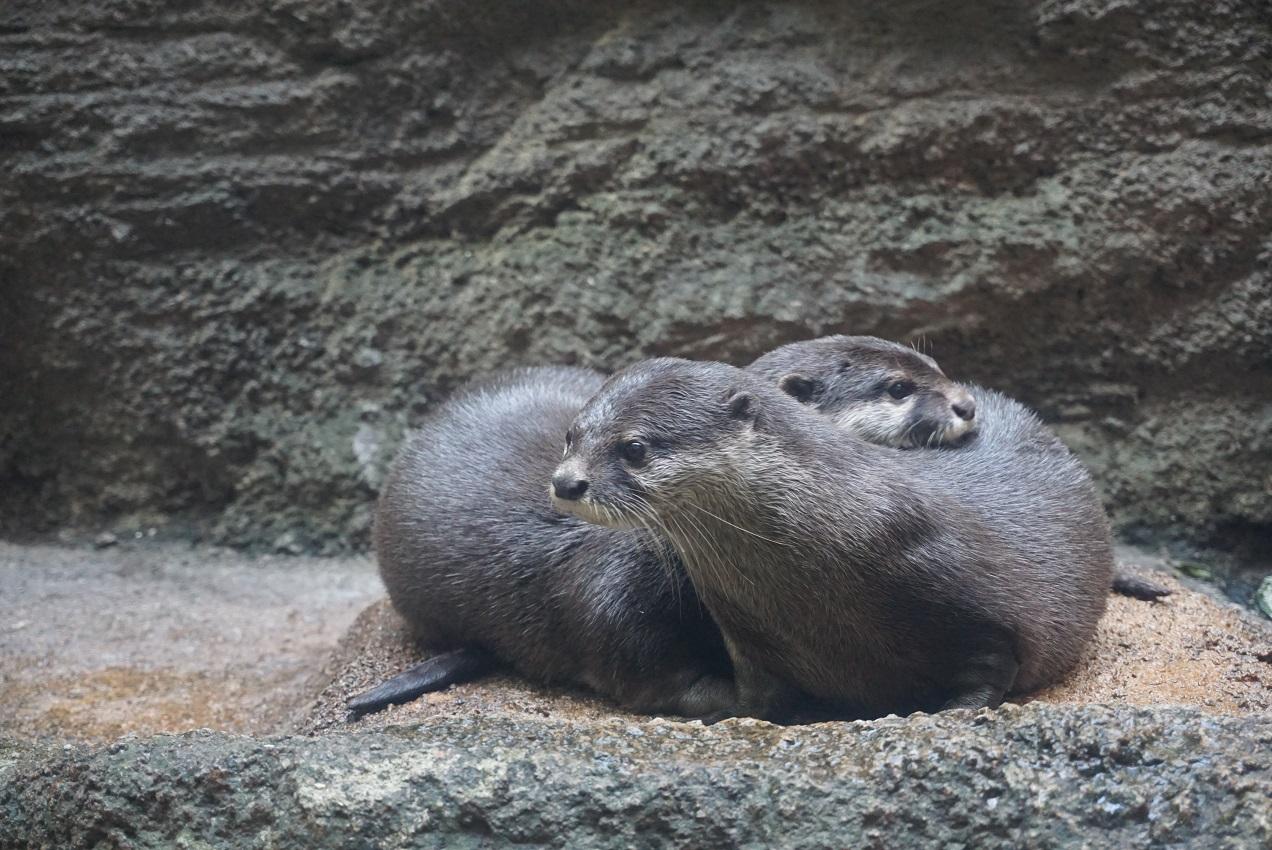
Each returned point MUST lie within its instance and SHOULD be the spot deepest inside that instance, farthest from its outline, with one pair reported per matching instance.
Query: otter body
(469, 569)
(480, 565)
(879, 579)
(890, 394)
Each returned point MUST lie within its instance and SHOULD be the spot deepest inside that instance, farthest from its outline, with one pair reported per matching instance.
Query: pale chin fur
(590, 512)
(877, 423)
(957, 429)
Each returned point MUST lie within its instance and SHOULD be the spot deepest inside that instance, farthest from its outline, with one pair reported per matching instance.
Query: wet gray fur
(487, 573)
(880, 579)
(848, 377)
(474, 556)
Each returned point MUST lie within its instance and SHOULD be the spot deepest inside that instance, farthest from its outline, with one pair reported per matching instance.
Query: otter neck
(763, 506)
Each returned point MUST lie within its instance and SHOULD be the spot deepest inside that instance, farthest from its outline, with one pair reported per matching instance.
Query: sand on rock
(1188, 650)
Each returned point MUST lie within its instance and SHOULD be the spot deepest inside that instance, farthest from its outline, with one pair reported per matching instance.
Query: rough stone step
(1035, 776)
(142, 637)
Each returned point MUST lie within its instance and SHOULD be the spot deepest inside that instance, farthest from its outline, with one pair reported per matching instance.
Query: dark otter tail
(449, 668)
(1126, 584)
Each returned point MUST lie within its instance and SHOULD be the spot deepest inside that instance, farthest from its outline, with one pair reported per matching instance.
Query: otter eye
(633, 451)
(900, 389)
(569, 441)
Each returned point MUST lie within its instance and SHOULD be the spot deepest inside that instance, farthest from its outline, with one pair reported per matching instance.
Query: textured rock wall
(244, 245)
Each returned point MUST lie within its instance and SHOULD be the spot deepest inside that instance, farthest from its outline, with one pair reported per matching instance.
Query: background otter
(880, 579)
(890, 394)
(479, 564)
(880, 391)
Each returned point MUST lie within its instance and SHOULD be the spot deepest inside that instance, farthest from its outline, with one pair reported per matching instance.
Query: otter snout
(962, 421)
(570, 479)
(568, 486)
(572, 493)
(964, 406)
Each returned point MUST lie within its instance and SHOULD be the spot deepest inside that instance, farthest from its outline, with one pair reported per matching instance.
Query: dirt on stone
(163, 638)
(147, 638)
(379, 645)
(1188, 650)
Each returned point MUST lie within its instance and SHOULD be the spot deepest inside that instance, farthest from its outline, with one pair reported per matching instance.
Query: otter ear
(742, 405)
(797, 386)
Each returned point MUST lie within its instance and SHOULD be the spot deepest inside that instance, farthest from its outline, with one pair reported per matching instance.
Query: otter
(469, 567)
(878, 579)
(470, 564)
(481, 567)
(882, 391)
(890, 394)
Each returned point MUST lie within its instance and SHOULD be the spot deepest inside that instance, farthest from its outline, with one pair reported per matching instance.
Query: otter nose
(566, 486)
(965, 408)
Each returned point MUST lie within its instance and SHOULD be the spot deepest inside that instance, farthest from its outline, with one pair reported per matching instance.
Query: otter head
(654, 435)
(878, 390)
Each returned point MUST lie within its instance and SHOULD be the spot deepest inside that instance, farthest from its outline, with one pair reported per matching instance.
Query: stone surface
(146, 638)
(1038, 776)
(244, 246)
(142, 637)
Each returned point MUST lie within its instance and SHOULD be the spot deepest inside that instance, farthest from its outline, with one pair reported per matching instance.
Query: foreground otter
(890, 394)
(881, 580)
(480, 565)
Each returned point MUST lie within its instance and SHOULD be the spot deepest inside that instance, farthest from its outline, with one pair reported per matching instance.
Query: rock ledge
(1032, 776)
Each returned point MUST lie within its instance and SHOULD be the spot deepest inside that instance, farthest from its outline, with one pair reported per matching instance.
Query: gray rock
(1020, 777)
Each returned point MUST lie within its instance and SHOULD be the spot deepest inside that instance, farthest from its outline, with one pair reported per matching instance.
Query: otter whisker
(738, 527)
(718, 558)
(688, 542)
(905, 437)
(722, 564)
(648, 519)
(708, 562)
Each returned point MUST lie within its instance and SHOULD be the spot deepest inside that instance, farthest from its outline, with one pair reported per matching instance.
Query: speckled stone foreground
(1033, 776)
